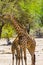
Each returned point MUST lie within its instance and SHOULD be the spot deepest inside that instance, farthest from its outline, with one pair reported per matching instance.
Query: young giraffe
(14, 47)
(24, 39)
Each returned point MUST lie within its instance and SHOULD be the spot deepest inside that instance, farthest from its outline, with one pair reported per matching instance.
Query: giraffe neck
(18, 28)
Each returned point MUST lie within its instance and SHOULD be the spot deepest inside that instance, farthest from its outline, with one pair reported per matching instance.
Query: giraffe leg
(18, 56)
(25, 56)
(33, 59)
(16, 59)
(13, 59)
(13, 52)
(31, 49)
(21, 55)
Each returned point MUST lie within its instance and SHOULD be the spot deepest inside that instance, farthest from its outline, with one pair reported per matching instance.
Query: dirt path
(6, 56)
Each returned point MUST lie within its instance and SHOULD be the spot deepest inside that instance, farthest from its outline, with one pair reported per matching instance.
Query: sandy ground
(6, 56)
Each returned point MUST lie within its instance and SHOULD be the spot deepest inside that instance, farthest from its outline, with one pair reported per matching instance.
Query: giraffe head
(6, 16)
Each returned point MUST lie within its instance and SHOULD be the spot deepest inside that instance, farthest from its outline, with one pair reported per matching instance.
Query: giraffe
(25, 41)
(14, 47)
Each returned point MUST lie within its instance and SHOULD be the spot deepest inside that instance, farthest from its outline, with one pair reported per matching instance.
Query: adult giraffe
(15, 46)
(25, 41)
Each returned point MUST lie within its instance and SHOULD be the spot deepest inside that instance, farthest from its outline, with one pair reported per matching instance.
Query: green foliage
(8, 31)
(26, 11)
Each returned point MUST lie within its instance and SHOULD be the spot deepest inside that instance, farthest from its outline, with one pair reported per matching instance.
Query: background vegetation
(26, 11)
